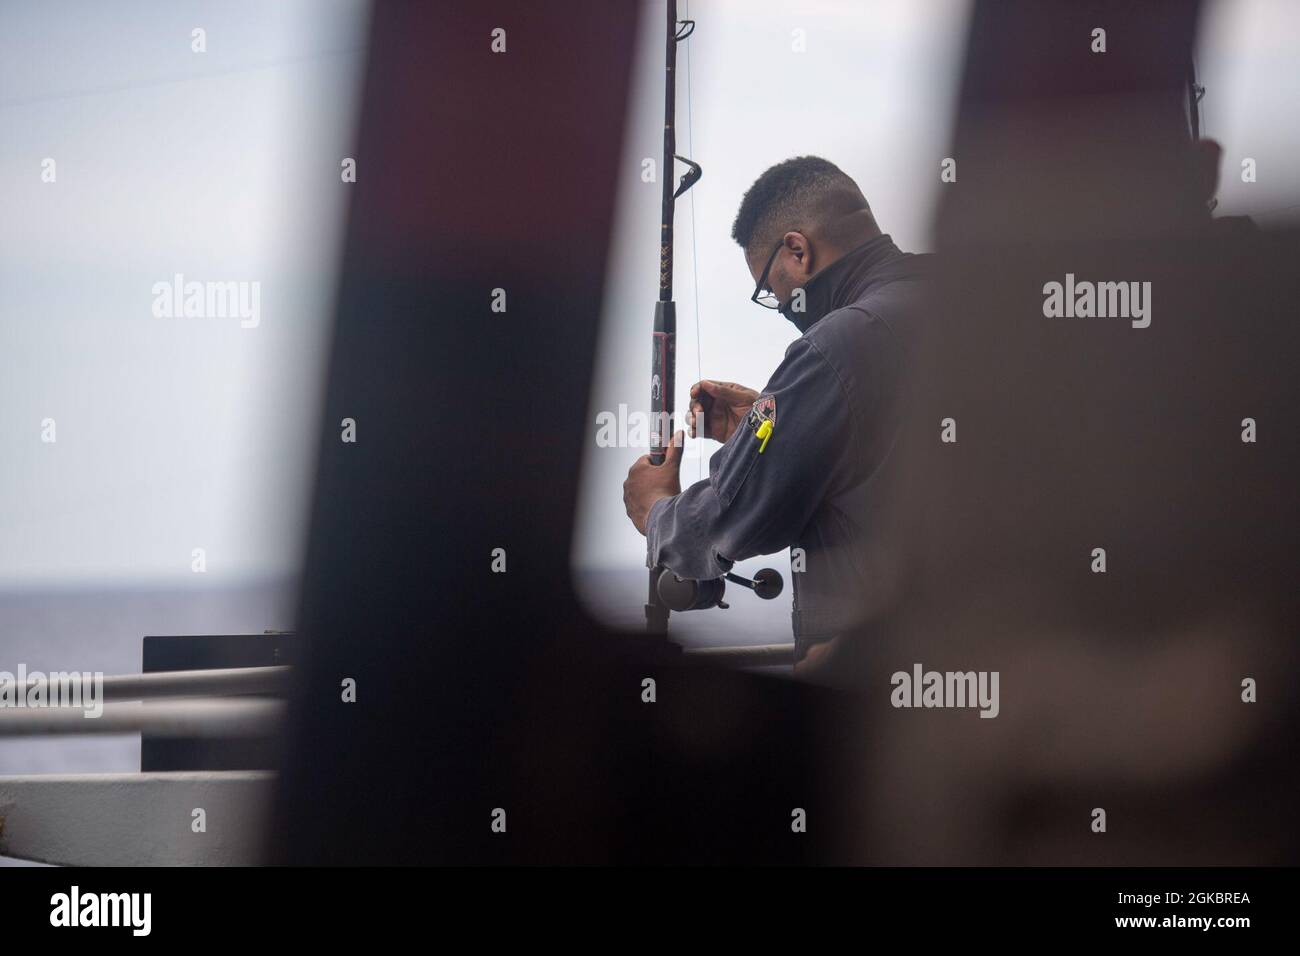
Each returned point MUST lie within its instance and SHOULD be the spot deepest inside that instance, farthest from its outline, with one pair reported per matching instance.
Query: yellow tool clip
(764, 432)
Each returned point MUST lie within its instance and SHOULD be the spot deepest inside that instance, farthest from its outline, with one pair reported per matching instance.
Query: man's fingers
(693, 416)
(708, 386)
(673, 453)
(729, 392)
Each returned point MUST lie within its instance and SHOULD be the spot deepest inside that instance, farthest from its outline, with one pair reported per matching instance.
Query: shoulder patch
(762, 410)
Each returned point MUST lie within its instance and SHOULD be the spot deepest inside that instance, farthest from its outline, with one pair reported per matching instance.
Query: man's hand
(720, 407)
(647, 483)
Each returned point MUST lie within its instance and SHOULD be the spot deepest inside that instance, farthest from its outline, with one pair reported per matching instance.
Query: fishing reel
(684, 594)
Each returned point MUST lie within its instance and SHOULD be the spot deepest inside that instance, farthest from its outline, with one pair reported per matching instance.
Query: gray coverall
(834, 408)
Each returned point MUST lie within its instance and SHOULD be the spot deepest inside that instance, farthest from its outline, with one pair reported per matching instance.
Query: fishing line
(695, 256)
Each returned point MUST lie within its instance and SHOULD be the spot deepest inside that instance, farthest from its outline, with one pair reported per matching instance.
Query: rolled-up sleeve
(757, 500)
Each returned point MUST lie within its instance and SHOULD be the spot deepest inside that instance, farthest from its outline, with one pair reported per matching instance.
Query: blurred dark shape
(479, 690)
(1055, 140)
(1118, 690)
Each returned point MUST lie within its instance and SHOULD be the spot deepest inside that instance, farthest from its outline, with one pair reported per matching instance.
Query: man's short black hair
(801, 194)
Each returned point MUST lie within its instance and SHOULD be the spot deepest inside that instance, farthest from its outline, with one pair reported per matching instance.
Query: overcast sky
(179, 433)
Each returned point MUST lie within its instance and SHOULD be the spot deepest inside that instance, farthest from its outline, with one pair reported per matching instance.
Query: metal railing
(199, 704)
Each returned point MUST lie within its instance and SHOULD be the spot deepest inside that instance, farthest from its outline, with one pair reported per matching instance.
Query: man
(798, 459)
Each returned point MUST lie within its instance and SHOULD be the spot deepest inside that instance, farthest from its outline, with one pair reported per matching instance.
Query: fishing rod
(668, 592)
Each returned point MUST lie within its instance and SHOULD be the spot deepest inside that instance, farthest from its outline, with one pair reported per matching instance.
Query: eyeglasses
(762, 294)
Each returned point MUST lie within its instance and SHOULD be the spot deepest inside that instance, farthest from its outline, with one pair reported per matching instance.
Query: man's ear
(801, 254)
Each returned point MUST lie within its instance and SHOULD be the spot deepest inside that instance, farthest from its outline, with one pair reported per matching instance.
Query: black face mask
(820, 292)
(816, 303)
